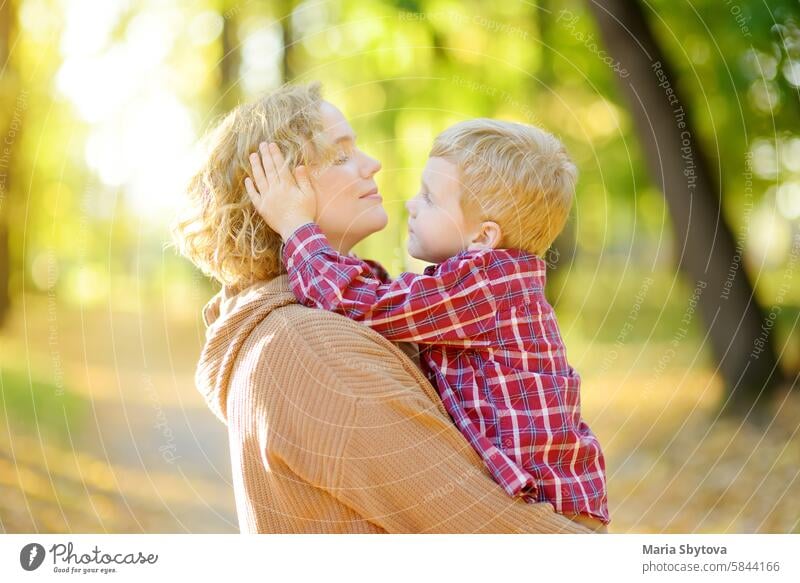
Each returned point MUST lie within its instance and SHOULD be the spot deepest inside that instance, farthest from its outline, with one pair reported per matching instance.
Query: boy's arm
(452, 307)
(376, 270)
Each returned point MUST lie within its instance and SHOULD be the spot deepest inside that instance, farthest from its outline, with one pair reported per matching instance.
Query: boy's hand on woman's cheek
(285, 200)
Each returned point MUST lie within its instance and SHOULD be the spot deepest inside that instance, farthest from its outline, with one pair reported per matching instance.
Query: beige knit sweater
(333, 429)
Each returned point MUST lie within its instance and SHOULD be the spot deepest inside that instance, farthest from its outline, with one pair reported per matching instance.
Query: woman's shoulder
(328, 335)
(308, 338)
(314, 324)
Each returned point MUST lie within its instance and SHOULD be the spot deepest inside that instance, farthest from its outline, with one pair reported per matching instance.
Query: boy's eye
(426, 197)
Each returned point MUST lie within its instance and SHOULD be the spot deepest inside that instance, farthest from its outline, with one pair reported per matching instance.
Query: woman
(332, 428)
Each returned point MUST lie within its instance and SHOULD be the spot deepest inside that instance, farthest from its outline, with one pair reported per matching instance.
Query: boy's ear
(488, 236)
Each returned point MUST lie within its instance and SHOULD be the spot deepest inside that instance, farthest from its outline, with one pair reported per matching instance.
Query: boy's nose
(410, 207)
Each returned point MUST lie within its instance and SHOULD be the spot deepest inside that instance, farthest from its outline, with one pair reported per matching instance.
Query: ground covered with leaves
(88, 452)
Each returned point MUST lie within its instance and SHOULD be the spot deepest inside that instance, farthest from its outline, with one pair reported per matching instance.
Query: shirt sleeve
(374, 268)
(453, 305)
(380, 441)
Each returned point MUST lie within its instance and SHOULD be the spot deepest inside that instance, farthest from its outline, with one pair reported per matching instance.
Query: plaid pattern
(491, 345)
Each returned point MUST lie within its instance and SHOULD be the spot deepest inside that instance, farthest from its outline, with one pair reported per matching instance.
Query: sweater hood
(230, 317)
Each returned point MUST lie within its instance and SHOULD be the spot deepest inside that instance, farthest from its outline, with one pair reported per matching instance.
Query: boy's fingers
(301, 177)
(281, 165)
(251, 190)
(257, 167)
(269, 165)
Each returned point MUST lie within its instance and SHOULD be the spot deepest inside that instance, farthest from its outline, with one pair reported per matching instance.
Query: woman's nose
(371, 166)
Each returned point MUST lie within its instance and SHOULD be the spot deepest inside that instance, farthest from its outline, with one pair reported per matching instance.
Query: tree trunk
(5, 273)
(229, 64)
(287, 59)
(705, 248)
(562, 252)
(8, 94)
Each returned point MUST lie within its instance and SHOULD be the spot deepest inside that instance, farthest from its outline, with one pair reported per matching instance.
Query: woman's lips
(372, 195)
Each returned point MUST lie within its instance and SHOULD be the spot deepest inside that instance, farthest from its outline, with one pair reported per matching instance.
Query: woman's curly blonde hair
(219, 230)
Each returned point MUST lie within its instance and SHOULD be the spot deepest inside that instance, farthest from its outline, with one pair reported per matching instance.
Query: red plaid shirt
(491, 346)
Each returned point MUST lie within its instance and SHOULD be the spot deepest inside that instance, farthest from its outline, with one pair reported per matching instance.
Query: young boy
(494, 197)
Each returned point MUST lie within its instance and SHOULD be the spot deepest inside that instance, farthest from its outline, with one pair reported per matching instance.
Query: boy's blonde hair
(220, 230)
(516, 175)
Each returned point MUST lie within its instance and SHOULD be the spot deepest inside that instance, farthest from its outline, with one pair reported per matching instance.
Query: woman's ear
(488, 236)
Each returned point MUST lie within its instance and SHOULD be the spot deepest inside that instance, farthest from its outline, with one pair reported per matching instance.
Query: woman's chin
(368, 223)
(378, 219)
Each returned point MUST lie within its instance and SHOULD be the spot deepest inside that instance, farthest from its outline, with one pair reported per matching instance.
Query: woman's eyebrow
(345, 138)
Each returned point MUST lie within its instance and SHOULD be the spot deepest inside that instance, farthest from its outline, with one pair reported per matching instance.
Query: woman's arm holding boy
(381, 442)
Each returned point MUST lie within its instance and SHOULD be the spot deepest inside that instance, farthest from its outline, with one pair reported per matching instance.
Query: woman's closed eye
(341, 158)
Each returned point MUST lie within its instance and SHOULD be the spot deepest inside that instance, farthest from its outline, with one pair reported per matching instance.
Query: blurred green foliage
(29, 402)
(103, 102)
(110, 113)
